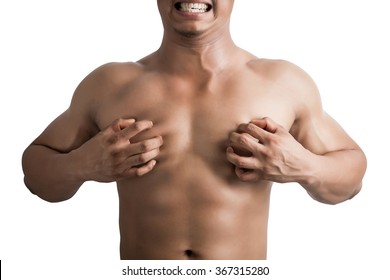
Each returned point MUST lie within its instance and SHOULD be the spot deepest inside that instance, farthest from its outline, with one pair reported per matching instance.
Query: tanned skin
(194, 135)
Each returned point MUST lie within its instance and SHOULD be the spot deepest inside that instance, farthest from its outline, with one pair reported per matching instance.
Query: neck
(192, 55)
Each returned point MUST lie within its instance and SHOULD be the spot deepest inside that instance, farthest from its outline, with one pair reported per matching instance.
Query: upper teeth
(193, 7)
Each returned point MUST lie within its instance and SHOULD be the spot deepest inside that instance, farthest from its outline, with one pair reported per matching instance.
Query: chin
(189, 33)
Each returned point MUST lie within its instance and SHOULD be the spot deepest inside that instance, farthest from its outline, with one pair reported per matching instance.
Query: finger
(247, 175)
(267, 124)
(245, 141)
(136, 128)
(141, 170)
(144, 146)
(146, 168)
(142, 158)
(120, 124)
(240, 161)
(255, 131)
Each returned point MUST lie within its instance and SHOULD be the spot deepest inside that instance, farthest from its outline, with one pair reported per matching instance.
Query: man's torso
(192, 205)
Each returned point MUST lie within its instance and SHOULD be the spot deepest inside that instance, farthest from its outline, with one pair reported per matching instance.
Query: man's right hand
(111, 155)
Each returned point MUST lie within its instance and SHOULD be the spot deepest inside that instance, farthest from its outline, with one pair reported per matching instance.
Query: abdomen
(187, 205)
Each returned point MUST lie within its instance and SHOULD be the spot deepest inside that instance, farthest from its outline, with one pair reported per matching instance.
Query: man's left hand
(265, 150)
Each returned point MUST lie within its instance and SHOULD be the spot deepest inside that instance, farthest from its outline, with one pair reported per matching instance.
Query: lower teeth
(183, 7)
(195, 11)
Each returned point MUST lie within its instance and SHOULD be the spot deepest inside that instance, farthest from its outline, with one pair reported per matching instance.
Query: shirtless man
(194, 135)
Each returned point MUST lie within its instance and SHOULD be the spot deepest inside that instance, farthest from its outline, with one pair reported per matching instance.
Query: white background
(47, 47)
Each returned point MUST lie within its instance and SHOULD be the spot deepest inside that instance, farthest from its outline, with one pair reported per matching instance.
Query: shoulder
(99, 87)
(292, 82)
(103, 81)
(282, 72)
(109, 76)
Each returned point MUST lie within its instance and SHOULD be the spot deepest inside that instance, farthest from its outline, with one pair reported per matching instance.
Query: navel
(189, 253)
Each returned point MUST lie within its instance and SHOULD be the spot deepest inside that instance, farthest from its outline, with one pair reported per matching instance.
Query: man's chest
(195, 119)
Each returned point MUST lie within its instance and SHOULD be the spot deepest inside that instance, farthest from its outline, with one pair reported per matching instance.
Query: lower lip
(190, 14)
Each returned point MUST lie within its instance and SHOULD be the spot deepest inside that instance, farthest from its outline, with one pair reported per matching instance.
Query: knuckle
(250, 127)
(113, 139)
(114, 154)
(141, 125)
(242, 139)
(269, 155)
(145, 146)
(138, 126)
(142, 158)
(273, 140)
(240, 163)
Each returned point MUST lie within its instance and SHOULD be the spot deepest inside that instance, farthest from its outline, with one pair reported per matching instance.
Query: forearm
(51, 175)
(336, 176)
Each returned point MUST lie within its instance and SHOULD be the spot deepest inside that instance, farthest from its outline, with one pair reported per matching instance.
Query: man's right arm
(72, 150)
(50, 174)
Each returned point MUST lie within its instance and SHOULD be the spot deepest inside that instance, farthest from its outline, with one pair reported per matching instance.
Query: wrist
(312, 180)
(77, 171)
(310, 175)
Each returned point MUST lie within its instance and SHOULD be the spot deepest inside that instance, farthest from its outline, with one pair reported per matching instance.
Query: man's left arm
(315, 152)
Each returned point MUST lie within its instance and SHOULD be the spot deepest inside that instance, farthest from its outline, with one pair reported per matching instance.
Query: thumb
(121, 124)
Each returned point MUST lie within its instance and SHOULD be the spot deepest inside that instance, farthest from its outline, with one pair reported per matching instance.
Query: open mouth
(193, 7)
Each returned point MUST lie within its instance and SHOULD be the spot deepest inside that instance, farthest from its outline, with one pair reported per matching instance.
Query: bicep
(321, 134)
(313, 127)
(76, 125)
(67, 132)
